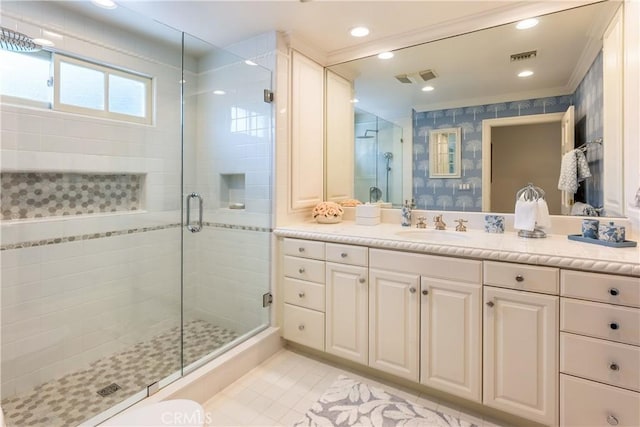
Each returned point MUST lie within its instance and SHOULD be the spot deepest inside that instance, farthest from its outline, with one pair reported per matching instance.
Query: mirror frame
(435, 136)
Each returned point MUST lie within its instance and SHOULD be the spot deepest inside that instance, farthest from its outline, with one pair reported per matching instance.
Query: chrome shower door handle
(194, 228)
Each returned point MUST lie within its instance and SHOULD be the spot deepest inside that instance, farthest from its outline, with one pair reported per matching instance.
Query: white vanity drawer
(304, 269)
(604, 361)
(304, 294)
(304, 248)
(439, 267)
(599, 320)
(303, 326)
(347, 254)
(522, 277)
(601, 287)
(587, 403)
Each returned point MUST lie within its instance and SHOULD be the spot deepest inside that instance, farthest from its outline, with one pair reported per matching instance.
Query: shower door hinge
(153, 388)
(267, 299)
(268, 96)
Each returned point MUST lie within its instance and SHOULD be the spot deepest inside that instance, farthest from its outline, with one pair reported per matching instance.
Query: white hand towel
(582, 165)
(542, 214)
(568, 180)
(525, 215)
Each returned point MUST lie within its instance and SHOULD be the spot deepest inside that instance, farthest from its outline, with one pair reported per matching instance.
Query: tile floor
(279, 391)
(73, 398)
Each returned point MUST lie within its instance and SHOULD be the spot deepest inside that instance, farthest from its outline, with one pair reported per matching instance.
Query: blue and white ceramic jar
(590, 228)
(611, 233)
(406, 214)
(494, 223)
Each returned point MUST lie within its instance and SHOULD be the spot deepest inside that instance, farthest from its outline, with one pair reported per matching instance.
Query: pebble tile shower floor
(73, 398)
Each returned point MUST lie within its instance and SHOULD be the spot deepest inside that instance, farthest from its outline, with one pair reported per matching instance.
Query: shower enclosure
(136, 208)
(378, 154)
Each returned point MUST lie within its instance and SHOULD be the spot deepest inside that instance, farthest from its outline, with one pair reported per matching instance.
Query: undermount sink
(431, 234)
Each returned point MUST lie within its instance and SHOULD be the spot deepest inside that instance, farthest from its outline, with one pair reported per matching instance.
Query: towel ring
(531, 193)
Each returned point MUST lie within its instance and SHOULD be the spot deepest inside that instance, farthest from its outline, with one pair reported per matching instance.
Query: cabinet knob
(362, 280)
(300, 249)
(611, 420)
(614, 325)
(425, 292)
(301, 270)
(614, 291)
(614, 367)
(519, 278)
(343, 254)
(301, 327)
(412, 290)
(490, 303)
(301, 294)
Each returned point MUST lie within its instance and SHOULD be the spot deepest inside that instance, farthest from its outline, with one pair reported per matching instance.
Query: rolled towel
(525, 215)
(542, 215)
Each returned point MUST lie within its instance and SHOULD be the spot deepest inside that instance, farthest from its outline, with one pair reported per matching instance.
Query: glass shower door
(227, 161)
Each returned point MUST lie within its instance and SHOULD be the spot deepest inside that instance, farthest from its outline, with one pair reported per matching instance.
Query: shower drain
(110, 389)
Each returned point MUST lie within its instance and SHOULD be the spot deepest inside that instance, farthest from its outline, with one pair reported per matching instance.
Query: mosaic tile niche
(44, 194)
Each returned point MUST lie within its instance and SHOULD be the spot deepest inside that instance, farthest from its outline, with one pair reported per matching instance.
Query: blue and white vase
(590, 228)
(494, 223)
(406, 215)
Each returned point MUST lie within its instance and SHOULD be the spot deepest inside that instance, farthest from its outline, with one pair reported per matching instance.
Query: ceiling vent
(403, 78)
(427, 75)
(523, 56)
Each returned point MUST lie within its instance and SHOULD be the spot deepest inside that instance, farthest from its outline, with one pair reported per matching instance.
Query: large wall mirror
(509, 92)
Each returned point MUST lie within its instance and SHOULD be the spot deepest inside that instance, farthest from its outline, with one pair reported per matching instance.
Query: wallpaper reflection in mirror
(444, 194)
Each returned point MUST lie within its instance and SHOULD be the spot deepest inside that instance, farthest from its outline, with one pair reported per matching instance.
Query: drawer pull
(301, 327)
(343, 254)
(301, 294)
(519, 278)
(611, 420)
(300, 249)
(425, 292)
(614, 291)
(614, 367)
(362, 280)
(490, 303)
(614, 326)
(412, 290)
(301, 270)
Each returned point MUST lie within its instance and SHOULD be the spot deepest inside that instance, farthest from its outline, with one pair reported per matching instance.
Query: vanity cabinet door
(394, 322)
(347, 312)
(520, 353)
(451, 345)
(307, 132)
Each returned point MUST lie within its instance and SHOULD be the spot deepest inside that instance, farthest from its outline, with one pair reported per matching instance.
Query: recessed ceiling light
(43, 42)
(525, 73)
(385, 55)
(250, 62)
(105, 4)
(354, 100)
(360, 32)
(527, 23)
(219, 92)
(427, 88)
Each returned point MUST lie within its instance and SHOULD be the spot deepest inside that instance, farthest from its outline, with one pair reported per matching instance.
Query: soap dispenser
(406, 213)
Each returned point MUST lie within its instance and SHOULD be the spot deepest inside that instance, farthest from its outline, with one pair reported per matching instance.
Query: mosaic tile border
(91, 236)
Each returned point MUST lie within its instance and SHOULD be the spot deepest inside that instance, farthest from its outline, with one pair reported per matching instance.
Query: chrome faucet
(439, 223)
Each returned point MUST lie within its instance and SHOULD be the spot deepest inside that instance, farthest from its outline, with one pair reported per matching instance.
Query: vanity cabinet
(520, 342)
(347, 302)
(599, 349)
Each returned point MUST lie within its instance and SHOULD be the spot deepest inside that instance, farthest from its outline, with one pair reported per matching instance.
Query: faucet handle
(461, 226)
(421, 222)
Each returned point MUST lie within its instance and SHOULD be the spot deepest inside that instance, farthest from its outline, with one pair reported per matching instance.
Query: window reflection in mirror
(444, 153)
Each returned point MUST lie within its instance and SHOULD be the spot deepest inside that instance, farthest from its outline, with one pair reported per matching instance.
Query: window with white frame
(79, 86)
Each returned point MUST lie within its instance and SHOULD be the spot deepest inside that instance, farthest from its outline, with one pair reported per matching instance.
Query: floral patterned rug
(351, 403)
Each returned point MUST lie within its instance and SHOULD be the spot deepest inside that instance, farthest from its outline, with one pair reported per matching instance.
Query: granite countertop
(555, 250)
